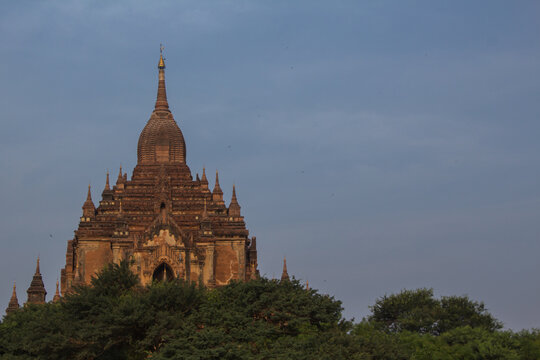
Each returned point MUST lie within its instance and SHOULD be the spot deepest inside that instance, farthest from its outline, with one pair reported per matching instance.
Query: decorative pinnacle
(37, 267)
(161, 100)
(13, 302)
(216, 186)
(203, 178)
(57, 294)
(120, 177)
(161, 64)
(234, 207)
(107, 186)
(89, 195)
(284, 274)
(88, 206)
(217, 193)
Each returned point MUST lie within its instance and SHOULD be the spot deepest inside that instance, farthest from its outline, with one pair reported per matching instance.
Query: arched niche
(163, 272)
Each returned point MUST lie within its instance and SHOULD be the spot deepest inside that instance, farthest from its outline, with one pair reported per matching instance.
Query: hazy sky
(379, 145)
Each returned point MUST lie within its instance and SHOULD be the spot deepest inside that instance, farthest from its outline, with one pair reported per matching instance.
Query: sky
(378, 145)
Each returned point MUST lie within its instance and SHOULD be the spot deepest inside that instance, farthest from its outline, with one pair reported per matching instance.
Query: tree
(418, 311)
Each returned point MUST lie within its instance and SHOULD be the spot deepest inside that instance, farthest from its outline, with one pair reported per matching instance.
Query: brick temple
(170, 224)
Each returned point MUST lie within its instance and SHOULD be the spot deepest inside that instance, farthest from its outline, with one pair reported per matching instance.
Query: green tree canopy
(419, 311)
(116, 318)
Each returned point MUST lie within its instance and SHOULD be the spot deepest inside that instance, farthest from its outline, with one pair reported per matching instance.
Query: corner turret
(234, 207)
(89, 210)
(217, 193)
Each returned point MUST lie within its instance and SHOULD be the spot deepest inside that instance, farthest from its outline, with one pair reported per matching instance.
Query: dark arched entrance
(163, 272)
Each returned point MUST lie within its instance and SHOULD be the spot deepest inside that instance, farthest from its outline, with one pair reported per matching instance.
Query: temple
(169, 224)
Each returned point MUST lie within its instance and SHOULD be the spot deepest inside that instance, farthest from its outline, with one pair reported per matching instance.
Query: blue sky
(379, 145)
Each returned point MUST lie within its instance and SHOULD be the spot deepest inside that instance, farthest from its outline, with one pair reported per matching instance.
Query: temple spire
(107, 186)
(284, 274)
(161, 100)
(13, 302)
(120, 176)
(203, 177)
(89, 210)
(56, 297)
(36, 292)
(234, 207)
(217, 193)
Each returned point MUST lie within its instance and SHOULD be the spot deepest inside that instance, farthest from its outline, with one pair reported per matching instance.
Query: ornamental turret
(36, 292)
(13, 302)
(107, 193)
(56, 297)
(204, 180)
(284, 274)
(89, 210)
(234, 207)
(217, 193)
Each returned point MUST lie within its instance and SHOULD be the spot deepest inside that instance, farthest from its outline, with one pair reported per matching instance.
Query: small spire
(307, 284)
(234, 207)
(56, 297)
(284, 274)
(89, 195)
(38, 272)
(204, 180)
(36, 292)
(161, 100)
(234, 194)
(120, 177)
(13, 302)
(107, 186)
(89, 210)
(217, 193)
(161, 64)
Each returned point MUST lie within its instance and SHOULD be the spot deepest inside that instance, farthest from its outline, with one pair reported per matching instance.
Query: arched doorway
(163, 272)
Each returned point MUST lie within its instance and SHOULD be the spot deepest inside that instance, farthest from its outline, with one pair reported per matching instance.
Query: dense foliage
(115, 318)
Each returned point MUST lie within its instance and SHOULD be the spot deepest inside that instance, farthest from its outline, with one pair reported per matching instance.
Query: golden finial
(161, 64)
